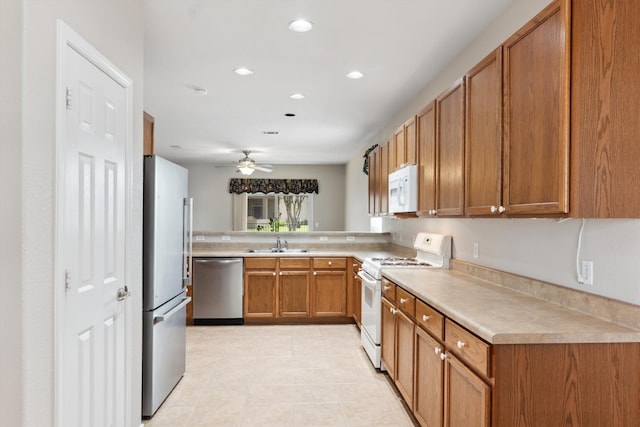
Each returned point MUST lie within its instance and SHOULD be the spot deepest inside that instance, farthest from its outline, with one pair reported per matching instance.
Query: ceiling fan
(246, 165)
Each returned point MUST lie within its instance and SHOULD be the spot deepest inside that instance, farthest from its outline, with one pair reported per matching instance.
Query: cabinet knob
(330, 263)
(494, 209)
(501, 209)
(433, 212)
(497, 209)
(315, 273)
(274, 273)
(425, 317)
(403, 300)
(437, 350)
(386, 287)
(460, 344)
(280, 273)
(443, 356)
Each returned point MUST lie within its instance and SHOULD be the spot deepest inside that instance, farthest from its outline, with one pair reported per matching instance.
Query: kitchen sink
(277, 250)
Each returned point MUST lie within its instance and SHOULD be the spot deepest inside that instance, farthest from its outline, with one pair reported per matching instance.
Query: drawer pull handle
(425, 318)
(460, 344)
(403, 300)
(437, 350)
(386, 288)
(443, 356)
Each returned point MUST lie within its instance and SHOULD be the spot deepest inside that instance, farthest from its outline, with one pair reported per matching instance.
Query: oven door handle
(367, 280)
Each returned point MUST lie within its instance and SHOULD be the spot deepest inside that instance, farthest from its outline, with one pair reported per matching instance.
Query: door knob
(123, 293)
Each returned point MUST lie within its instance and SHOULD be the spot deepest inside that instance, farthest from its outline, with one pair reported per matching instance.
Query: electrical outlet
(587, 272)
(323, 238)
(475, 250)
(225, 238)
(351, 238)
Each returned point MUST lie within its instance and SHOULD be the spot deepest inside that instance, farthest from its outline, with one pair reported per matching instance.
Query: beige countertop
(501, 315)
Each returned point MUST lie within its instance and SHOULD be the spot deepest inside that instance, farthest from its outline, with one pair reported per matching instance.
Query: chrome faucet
(278, 244)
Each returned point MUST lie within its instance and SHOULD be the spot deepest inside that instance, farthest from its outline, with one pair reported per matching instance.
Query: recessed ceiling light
(242, 71)
(201, 91)
(300, 25)
(296, 96)
(355, 75)
(289, 115)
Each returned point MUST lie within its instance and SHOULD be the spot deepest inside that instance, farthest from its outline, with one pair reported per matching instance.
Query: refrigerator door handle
(174, 310)
(187, 262)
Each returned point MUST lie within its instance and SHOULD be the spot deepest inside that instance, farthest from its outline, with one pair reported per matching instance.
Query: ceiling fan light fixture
(300, 25)
(243, 71)
(245, 170)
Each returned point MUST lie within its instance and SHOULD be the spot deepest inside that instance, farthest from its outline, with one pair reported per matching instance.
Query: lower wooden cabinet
(467, 398)
(329, 288)
(450, 377)
(356, 293)
(428, 398)
(295, 289)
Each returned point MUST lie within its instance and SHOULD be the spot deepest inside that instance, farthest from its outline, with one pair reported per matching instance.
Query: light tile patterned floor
(302, 376)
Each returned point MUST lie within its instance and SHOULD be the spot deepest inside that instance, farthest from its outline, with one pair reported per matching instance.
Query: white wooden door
(95, 380)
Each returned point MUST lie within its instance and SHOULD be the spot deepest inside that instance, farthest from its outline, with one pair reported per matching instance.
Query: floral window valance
(286, 186)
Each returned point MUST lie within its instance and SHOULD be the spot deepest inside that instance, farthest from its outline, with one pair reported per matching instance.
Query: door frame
(67, 38)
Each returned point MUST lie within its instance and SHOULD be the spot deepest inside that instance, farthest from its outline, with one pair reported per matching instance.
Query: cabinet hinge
(67, 280)
(68, 98)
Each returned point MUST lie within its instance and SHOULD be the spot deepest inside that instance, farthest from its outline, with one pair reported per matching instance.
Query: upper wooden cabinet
(405, 144)
(483, 137)
(426, 146)
(450, 150)
(148, 129)
(536, 114)
(374, 182)
(383, 178)
(605, 103)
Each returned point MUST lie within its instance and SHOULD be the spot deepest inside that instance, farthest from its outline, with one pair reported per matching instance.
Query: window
(279, 212)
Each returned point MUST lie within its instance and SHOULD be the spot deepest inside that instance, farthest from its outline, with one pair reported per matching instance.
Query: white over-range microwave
(403, 190)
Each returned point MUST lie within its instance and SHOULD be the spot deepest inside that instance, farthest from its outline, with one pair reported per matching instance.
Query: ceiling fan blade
(262, 168)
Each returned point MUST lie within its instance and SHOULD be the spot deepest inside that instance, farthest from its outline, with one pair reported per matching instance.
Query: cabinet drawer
(329, 263)
(470, 348)
(430, 319)
(289, 263)
(406, 302)
(269, 263)
(388, 290)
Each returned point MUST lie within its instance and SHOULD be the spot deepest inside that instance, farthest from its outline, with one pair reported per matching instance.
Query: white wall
(11, 211)
(213, 206)
(115, 29)
(544, 249)
(357, 197)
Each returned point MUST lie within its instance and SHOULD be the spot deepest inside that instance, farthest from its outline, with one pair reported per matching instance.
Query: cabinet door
(467, 399)
(426, 141)
(294, 293)
(404, 356)
(410, 143)
(259, 294)
(383, 178)
(450, 150)
(356, 292)
(536, 114)
(429, 376)
(483, 137)
(330, 293)
(374, 182)
(605, 154)
(398, 138)
(388, 337)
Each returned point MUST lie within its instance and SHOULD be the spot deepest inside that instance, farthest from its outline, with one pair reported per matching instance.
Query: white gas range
(433, 251)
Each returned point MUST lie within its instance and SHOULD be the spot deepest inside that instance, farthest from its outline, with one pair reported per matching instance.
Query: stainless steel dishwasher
(217, 291)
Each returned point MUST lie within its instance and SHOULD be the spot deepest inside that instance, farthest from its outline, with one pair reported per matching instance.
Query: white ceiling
(400, 45)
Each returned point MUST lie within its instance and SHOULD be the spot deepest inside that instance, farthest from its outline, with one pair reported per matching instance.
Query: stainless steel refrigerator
(166, 254)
